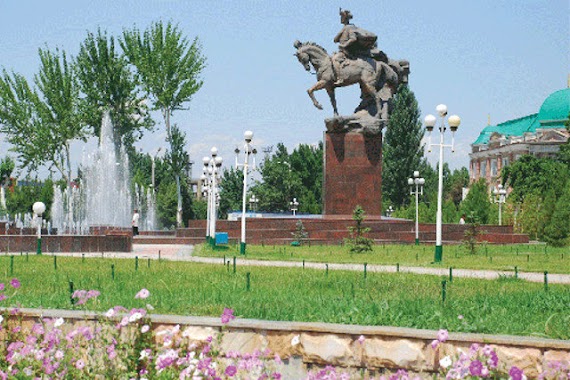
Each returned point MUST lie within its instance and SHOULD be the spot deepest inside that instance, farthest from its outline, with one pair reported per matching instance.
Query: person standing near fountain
(135, 222)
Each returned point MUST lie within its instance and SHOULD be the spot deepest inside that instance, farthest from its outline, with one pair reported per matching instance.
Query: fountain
(103, 198)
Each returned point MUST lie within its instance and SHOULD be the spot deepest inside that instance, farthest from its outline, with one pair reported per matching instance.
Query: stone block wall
(303, 345)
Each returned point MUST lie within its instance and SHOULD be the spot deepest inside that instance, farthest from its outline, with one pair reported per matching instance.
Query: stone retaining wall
(323, 343)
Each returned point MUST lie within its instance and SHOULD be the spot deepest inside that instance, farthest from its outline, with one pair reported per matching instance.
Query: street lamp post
(430, 122)
(253, 202)
(211, 170)
(500, 198)
(419, 182)
(248, 150)
(294, 205)
(39, 208)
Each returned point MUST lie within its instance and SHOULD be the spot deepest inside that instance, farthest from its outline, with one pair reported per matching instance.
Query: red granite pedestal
(352, 173)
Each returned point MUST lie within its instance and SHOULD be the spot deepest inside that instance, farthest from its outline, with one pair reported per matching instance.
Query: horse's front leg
(318, 86)
(332, 96)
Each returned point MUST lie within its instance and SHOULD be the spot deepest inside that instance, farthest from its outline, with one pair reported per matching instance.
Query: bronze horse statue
(378, 80)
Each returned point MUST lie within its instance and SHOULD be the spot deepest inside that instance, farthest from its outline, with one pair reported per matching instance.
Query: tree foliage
(231, 191)
(357, 241)
(402, 148)
(107, 83)
(168, 68)
(477, 202)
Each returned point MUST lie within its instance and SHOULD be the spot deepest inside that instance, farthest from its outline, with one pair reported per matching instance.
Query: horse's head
(302, 55)
(402, 68)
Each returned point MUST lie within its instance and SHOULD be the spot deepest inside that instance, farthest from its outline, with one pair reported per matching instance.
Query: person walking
(135, 222)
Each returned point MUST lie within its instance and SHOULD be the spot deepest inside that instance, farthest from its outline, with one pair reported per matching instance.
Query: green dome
(555, 108)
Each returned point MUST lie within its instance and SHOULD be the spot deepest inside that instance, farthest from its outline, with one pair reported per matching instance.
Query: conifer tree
(403, 149)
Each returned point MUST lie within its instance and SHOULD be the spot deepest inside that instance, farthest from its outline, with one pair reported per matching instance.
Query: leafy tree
(307, 163)
(41, 123)
(179, 164)
(231, 191)
(477, 202)
(200, 209)
(168, 67)
(106, 83)
(279, 183)
(166, 201)
(357, 241)
(530, 174)
(558, 230)
(7, 166)
(472, 231)
(300, 234)
(403, 149)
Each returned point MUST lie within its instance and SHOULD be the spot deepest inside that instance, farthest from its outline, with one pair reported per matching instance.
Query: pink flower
(142, 294)
(2, 296)
(434, 343)
(442, 335)
(227, 315)
(79, 364)
(361, 339)
(1, 286)
(231, 370)
(15, 283)
(145, 328)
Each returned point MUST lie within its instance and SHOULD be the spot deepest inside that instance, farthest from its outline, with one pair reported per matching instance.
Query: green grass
(504, 306)
(527, 258)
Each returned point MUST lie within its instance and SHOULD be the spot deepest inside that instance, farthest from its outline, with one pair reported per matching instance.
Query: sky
(496, 59)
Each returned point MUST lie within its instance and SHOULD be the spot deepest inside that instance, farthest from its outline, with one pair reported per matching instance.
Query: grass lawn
(527, 258)
(505, 306)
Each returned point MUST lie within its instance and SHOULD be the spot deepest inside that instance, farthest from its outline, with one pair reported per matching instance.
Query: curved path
(184, 253)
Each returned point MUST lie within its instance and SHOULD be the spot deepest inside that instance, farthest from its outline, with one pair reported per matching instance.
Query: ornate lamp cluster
(430, 121)
(500, 197)
(248, 152)
(419, 183)
(210, 178)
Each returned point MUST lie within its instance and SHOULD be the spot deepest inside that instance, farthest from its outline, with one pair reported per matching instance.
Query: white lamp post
(500, 198)
(294, 205)
(430, 122)
(39, 208)
(211, 170)
(248, 150)
(419, 182)
(253, 202)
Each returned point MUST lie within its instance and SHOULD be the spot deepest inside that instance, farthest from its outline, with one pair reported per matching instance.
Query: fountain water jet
(104, 196)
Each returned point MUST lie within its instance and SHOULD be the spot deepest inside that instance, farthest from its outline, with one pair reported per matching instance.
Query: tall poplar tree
(403, 149)
(169, 69)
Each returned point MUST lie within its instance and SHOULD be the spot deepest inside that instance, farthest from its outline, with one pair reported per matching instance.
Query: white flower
(145, 328)
(1, 318)
(144, 355)
(58, 322)
(445, 362)
(135, 317)
(296, 340)
(110, 313)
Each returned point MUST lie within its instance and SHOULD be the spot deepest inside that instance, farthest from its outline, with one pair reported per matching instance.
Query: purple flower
(1, 286)
(15, 283)
(142, 294)
(231, 370)
(475, 368)
(79, 364)
(442, 335)
(516, 373)
(2, 296)
(227, 315)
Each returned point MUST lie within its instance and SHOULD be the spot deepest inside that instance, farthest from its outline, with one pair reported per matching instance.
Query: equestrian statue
(358, 61)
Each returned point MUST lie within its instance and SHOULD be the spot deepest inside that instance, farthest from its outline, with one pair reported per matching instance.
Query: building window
(494, 167)
(505, 161)
(484, 169)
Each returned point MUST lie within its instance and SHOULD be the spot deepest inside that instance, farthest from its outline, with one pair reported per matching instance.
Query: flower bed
(128, 344)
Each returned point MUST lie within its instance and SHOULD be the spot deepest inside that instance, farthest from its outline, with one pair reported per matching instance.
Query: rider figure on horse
(353, 43)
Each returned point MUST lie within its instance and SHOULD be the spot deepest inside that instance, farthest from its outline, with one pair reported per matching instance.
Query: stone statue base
(352, 173)
(360, 121)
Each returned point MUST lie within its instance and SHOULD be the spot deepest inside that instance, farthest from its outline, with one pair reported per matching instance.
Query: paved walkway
(184, 253)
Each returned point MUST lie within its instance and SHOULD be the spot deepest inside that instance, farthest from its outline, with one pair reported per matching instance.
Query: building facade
(539, 134)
